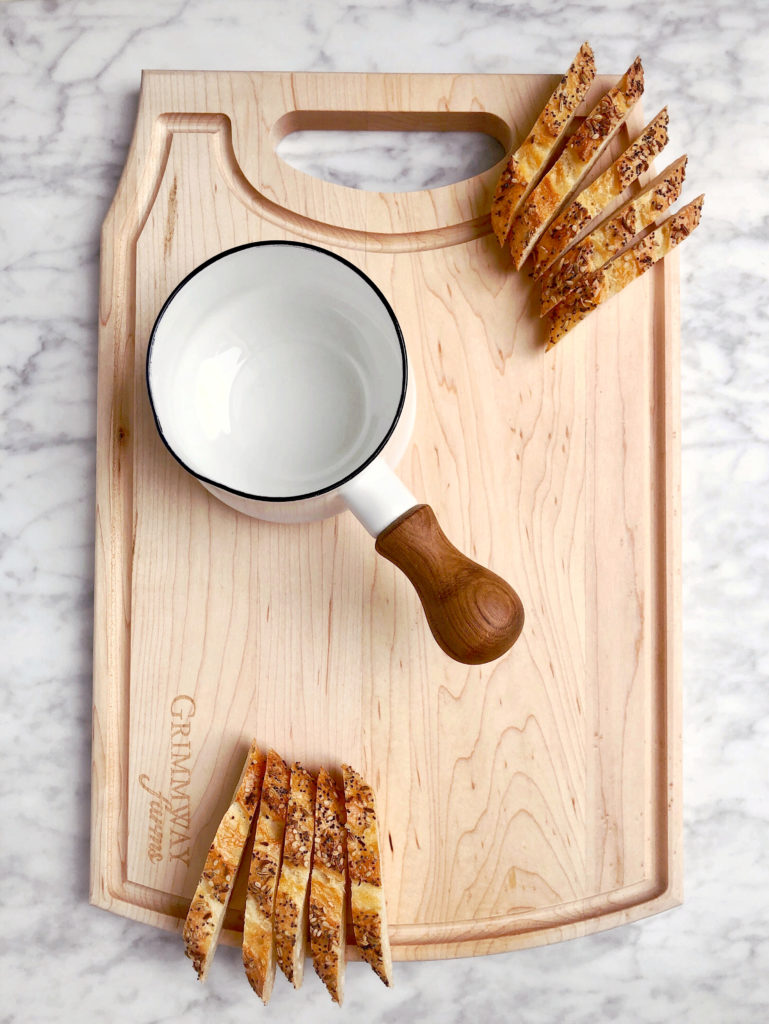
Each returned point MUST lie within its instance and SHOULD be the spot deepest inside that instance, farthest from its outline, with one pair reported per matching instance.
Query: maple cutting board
(532, 799)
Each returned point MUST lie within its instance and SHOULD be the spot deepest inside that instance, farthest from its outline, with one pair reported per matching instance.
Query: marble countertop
(69, 74)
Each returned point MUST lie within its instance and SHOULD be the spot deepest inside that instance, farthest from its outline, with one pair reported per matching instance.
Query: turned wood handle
(473, 614)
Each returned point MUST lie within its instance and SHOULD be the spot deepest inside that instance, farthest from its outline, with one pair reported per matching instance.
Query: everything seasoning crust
(327, 911)
(330, 835)
(626, 169)
(369, 917)
(578, 156)
(602, 284)
(198, 932)
(205, 917)
(266, 853)
(306, 833)
(266, 856)
(362, 837)
(613, 235)
(300, 819)
(583, 248)
(328, 932)
(526, 164)
(291, 910)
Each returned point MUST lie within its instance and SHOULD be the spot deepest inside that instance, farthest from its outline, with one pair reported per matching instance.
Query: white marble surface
(69, 72)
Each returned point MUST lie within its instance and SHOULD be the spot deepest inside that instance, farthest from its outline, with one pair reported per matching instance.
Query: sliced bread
(258, 934)
(613, 235)
(602, 284)
(369, 915)
(291, 901)
(527, 163)
(205, 918)
(328, 913)
(579, 155)
(610, 185)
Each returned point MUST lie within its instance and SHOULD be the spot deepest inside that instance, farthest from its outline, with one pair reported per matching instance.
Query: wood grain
(473, 614)
(525, 801)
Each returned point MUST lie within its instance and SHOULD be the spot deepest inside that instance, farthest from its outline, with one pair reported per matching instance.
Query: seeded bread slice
(291, 901)
(258, 935)
(613, 235)
(328, 915)
(602, 284)
(369, 914)
(581, 152)
(205, 917)
(608, 186)
(529, 160)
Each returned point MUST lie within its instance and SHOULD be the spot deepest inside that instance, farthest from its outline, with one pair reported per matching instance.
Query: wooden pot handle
(474, 615)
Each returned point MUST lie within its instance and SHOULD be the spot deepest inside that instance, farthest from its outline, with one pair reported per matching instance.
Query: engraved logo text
(173, 810)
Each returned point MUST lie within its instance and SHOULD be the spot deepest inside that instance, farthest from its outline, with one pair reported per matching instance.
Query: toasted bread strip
(609, 280)
(528, 161)
(613, 235)
(608, 186)
(369, 914)
(581, 152)
(328, 916)
(258, 935)
(290, 917)
(205, 917)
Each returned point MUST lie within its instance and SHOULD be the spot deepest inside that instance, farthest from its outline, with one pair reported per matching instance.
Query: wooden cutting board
(533, 799)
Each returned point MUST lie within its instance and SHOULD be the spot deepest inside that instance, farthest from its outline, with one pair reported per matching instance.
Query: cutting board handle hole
(391, 152)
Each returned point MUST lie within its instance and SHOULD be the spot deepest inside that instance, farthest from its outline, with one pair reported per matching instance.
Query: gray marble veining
(69, 73)
(390, 161)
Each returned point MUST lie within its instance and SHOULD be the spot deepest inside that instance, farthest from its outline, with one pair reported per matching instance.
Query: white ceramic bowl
(277, 375)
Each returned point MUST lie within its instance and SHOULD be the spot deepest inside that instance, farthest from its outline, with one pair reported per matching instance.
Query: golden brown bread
(290, 917)
(612, 235)
(579, 155)
(258, 935)
(528, 161)
(602, 284)
(205, 918)
(369, 916)
(608, 186)
(328, 916)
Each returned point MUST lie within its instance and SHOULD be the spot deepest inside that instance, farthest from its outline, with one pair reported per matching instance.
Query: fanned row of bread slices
(582, 250)
(310, 838)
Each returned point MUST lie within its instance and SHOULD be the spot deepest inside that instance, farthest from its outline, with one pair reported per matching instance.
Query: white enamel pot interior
(277, 375)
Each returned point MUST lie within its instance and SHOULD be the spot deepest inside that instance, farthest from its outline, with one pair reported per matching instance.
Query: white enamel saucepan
(278, 376)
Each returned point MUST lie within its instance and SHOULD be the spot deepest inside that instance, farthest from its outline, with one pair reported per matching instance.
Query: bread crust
(589, 203)
(601, 285)
(526, 164)
(579, 155)
(327, 910)
(203, 924)
(369, 915)
(613, 235)
(291, 901)
(258, 933)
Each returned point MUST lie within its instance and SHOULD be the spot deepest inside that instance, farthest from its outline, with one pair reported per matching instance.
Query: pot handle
(474, 615)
